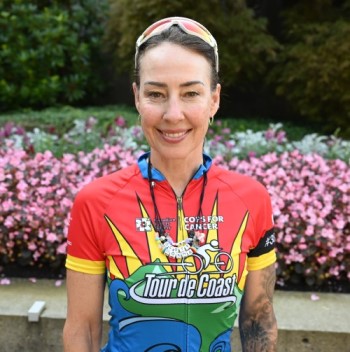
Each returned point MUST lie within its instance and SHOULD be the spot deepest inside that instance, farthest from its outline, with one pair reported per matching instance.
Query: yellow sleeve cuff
(85, 266)
(264, 260)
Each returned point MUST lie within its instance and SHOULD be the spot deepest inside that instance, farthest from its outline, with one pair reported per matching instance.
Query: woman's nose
(173, 110)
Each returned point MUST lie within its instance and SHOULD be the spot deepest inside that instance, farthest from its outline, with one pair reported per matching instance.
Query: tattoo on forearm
(259, 331)
(270, 284)
(255, 338)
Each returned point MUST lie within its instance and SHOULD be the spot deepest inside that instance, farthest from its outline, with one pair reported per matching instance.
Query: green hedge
(49, 51)
(313, 70)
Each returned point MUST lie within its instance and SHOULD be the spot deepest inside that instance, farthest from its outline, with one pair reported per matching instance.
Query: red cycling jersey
(161, 303)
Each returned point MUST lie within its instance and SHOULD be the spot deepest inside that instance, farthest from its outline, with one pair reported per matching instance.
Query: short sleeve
(263, 253)
(84, 253)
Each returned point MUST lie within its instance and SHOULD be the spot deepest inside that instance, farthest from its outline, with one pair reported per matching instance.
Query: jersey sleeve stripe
(256, 263)
(85, 266)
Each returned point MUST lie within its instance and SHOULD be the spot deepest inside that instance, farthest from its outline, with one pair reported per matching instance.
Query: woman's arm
(83, 327)
(257, 321)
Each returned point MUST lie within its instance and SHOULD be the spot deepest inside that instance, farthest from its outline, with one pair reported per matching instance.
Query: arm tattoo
(270, 284)
(255, 338)
(258, 328)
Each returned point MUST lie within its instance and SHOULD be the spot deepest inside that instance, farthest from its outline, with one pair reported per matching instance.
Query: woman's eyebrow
(163, 85)
(157, 84)
(191, 83)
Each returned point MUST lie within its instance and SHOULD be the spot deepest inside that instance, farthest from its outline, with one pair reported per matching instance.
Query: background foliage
(304, 58)
(49, 52)
(244, 45)
(291, 57)
(313, 69)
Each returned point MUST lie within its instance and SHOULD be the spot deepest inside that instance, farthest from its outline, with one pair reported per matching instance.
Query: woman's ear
(215, 103)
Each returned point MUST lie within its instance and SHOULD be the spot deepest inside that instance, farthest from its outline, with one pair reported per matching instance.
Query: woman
(176, 235)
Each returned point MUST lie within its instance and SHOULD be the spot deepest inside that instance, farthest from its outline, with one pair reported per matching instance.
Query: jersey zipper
(180, 221)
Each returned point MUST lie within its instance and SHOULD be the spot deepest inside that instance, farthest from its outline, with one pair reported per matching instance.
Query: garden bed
(308, 181)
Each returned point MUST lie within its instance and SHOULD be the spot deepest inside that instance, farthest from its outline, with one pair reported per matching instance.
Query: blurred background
(280, 60)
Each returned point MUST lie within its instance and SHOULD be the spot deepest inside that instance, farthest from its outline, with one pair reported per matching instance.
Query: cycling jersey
(161, 303)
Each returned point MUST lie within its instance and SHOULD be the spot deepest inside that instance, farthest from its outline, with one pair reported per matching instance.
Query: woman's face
(175, 101)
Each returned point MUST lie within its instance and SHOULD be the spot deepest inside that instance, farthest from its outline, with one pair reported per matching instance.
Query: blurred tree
(313, 69)
(245, 46)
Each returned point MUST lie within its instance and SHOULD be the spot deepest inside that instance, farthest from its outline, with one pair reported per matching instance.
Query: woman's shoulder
(107, 185)
(239, 183)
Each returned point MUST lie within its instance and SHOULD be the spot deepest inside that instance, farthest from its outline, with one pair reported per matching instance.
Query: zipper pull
(179, 202)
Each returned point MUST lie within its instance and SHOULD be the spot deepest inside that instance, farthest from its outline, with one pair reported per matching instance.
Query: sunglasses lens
(197, 30)
(158, 27)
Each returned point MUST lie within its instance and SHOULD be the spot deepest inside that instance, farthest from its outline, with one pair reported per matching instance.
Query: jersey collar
(158, 176)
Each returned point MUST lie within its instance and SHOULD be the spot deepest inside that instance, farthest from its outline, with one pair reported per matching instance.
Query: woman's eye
(154, 95)
(192, 94)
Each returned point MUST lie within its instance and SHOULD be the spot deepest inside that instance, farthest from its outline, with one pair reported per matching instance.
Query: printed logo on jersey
(270, 240)
(190, 222)
(143, 224)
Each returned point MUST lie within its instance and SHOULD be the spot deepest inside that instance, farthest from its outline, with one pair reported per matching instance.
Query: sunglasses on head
(187, 25)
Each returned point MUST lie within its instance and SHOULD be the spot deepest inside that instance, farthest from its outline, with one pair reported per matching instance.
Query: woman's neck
(178, 172)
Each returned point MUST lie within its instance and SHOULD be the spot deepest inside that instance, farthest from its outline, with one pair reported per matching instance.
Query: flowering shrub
(310, 192)
(36, 194)
(87, 135)
(311, 204)
(228, 144)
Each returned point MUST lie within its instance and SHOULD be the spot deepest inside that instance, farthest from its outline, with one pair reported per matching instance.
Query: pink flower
(32, 247)
(22, 185)
(19, 175)
(225, 131)
(120, 121)
(51, 237)
(288, 238)
(339, 223)
(9, 221)
(7, 205)
(322, 260)
(22, 196)
(281, 137)
(314, 297)
(62, 249)
(269, 134)
(58, 283)
(5, 281)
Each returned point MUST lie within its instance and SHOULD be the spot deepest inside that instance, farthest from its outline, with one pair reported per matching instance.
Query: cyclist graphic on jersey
(213, 246)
